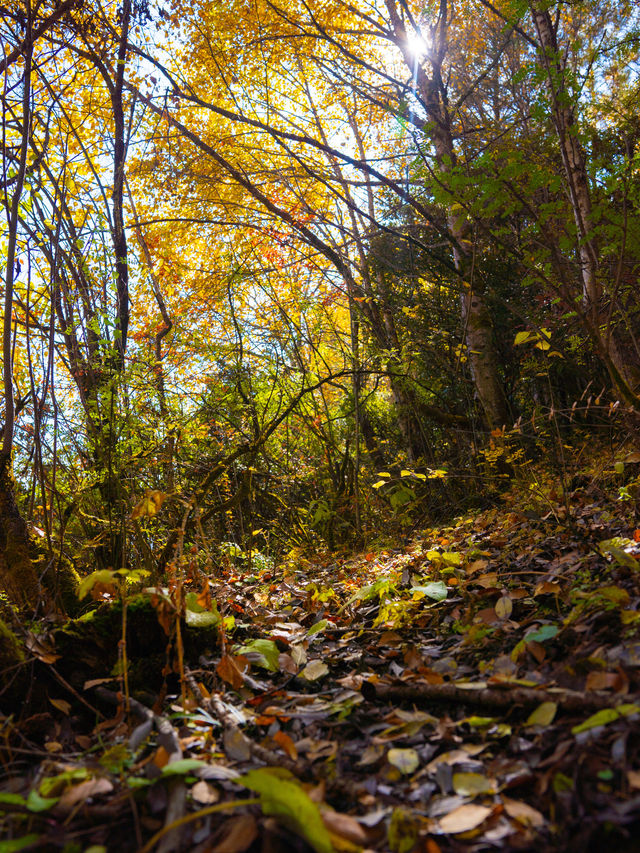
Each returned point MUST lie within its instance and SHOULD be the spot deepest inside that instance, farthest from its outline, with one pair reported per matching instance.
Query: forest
(320, 426)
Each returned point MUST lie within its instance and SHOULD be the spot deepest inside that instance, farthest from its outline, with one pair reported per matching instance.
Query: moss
(61, 581)
(18, 576)
(12, 658)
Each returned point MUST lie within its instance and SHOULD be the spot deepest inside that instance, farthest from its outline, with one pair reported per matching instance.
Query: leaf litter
(476, 689)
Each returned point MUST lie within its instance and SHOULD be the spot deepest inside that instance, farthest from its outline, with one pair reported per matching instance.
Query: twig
(503, 696)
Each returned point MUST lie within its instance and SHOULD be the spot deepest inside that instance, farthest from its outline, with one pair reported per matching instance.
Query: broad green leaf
(622, 558)
(543, 633)
(437, 590)
(543, 715)
(37, 803)
(197, 616)
(183, 767)
(284, 798)
(263, 652)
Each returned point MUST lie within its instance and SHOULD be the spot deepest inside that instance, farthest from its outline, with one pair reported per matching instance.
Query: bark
(478, 330)
(624, 375)
(18, 576)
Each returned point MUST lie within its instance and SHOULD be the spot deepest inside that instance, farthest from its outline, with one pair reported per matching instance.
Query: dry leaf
(314, 670)
(344, 826)
(204, 793)
(472, 784)
(523, 813)
(464, 818)
(405, 760)
(240, 833)
(81, 792)
(231, 668)
(504, 607)
(286, 744)
(61, 705)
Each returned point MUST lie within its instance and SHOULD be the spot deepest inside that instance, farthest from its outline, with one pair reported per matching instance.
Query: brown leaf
(240, 833)
(464, 818)
(537, 650)
(236, 745)
(204, 793)
(286, 744)
(344, 826)
(230, 669)
(523, 813)
(81, 792)
(61, 705)
(548, 588)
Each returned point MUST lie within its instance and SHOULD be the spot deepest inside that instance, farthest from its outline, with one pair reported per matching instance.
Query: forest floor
(476, 689)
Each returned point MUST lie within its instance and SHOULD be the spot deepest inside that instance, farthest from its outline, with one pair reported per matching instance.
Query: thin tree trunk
(622, 373)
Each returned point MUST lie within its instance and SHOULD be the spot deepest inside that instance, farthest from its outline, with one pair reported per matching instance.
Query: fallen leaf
(236, 745)
(472, 784)
(543, 715)
(405, 760)
(61, 705)
(464, 818)
(504, 607)
(523, 813)
(204, 793)
(240, 831)
(285, 742)
(84, 791)
(314, 670)
(344, 826)
(231, 669)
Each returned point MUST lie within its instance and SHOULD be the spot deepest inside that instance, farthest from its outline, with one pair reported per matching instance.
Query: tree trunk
(624, 375)
(478, 328)
(18, 576)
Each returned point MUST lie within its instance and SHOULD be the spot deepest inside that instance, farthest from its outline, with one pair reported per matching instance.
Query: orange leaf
(229, 669)
(286, 744)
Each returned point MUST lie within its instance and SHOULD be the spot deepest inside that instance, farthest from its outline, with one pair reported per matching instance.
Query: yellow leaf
(543, 715)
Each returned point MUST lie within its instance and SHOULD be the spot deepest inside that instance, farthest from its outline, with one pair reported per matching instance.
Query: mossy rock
(89, 645)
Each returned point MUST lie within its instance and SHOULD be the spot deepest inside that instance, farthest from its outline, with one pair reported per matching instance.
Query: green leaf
(607, 715)
(319, 626)
(183, 767)
(283, 798)
(544, 632)
(11, 799)
(197, 616)
(437, 590)
(19, 843)
(105, 576)
(36, 803)
(263, 652)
